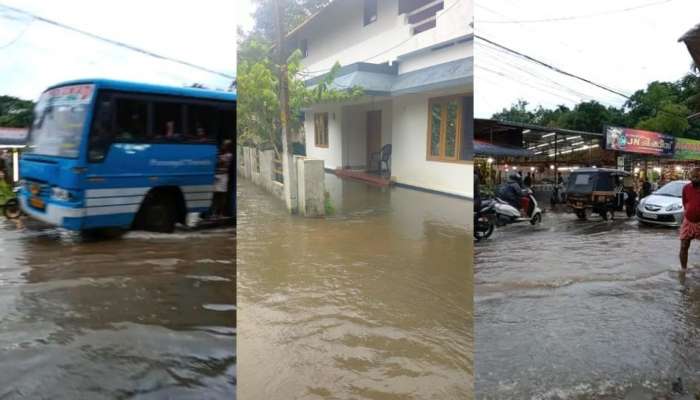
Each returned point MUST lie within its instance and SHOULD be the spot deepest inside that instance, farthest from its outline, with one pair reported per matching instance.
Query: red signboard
(639, 141)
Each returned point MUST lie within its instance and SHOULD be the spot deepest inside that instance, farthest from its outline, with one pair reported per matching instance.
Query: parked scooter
(507, 214)
(484, 220)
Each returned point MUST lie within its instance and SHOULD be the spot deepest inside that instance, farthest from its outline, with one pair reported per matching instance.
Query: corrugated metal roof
(692, 41)
(489, 149)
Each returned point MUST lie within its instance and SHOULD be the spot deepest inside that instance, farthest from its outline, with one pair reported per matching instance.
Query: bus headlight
(60, 194)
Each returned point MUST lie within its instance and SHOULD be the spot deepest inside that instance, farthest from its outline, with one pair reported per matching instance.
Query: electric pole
(288, 167)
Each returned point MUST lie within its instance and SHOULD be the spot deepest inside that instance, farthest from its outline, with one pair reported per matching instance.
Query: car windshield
(673, 189)
(59, 118)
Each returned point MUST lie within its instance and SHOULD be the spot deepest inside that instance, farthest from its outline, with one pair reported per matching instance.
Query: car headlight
(60, 194)
(674, 207)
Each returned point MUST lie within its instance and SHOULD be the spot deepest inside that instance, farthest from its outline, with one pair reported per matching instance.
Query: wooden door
(374, 136)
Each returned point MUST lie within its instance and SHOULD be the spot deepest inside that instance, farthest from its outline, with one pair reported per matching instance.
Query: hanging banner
(687, 149)
(639, 141)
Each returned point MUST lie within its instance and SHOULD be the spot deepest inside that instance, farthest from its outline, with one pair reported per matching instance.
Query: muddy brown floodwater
(149, 316)
(585, 310)
(374, 302)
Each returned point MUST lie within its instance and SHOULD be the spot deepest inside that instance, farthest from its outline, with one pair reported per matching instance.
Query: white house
(414, 61)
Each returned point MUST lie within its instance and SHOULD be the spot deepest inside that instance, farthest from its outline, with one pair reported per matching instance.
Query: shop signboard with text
(639, 141)
(687, 149)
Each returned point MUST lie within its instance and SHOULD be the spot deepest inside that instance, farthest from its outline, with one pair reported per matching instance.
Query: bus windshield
(59, 119)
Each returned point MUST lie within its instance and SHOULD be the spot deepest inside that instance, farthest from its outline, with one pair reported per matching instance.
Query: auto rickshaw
(601, 191)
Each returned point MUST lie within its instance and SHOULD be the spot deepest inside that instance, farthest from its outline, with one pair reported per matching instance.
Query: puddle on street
(147, 315)
(585, 310)
(374, 302)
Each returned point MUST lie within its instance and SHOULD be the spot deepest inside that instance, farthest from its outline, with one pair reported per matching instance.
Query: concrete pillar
(311, 187)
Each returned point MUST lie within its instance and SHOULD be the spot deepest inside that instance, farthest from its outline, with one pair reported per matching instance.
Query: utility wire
(553, 68)
(19, 36)
(115, 42)
(575, 17)
(558, 70)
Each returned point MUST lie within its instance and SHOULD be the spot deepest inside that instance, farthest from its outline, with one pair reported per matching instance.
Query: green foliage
(667, 120)
(15, 112)
(258, 103)
(294, 12)
(661, 107)
(328, 204)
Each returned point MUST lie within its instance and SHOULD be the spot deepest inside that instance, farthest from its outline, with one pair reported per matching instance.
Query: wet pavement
(374, 302)
(147, 316)
(585, 310)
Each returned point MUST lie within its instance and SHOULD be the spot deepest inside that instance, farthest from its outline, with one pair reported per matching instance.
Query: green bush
(330, 210)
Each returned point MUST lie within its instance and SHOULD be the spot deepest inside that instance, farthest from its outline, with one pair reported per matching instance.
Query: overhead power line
(553, 68)
(574, 17)
(560, 71)
(116, 43)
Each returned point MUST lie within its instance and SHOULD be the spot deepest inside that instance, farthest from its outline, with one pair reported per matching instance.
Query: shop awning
(489, 149)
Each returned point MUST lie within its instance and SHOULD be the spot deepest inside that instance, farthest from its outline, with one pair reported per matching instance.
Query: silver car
(664, 206)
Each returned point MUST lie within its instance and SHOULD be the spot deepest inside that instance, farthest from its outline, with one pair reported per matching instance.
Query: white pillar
(15, 165)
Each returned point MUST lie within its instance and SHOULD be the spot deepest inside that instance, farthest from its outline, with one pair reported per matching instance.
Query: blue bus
(114, 154)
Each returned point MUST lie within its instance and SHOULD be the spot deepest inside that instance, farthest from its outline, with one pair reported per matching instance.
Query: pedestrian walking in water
(690, 228)
(221, 179)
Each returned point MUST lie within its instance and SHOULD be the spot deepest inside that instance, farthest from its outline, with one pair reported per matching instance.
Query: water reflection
(585, 310)
(374, 302)
(116, 319)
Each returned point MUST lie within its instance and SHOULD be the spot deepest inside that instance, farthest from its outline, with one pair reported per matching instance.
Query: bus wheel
(159, 215)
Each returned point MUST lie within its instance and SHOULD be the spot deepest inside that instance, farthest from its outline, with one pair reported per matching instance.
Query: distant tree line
(15, 112)
(660, 107)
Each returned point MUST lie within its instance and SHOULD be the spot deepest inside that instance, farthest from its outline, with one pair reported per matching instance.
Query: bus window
(167, 121)
(101, 135)
(131, 120)
(201, 124)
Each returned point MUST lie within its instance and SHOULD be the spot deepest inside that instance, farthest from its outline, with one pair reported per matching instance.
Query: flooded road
(374, 302)
(148, 315)
(585, 310)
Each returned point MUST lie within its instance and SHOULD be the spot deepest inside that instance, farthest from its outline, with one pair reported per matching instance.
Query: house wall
(409, 159)
(333, 154)
(338, 34)
(429, 58)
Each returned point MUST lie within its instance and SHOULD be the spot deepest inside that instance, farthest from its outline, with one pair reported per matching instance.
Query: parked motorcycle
(484, 220)
(507, 214)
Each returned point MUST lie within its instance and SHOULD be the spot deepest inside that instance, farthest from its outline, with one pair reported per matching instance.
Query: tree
(671, 119)
(15, 112)
(516, 113)
(661, 107)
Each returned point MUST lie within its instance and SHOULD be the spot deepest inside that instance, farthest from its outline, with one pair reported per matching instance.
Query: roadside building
(11, 141)
(413, 59)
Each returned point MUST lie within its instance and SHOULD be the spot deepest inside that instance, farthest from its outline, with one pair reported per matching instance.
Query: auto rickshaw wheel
(608, 215)
(581, 214)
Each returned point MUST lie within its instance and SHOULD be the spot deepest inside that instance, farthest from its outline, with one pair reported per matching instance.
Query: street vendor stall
(545, 153)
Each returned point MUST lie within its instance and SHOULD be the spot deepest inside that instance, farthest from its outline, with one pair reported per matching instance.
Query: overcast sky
(623, 50)
(34, 55)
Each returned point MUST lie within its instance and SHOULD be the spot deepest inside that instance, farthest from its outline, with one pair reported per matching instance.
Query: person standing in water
(690, 228)
(221, 187)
